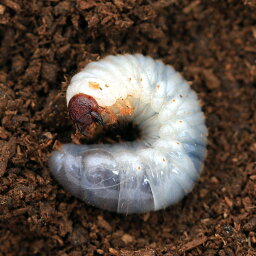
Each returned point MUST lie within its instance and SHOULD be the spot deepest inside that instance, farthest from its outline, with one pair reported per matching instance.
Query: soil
(43, 43)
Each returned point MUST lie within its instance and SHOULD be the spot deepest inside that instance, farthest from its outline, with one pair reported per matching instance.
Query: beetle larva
(147, 174)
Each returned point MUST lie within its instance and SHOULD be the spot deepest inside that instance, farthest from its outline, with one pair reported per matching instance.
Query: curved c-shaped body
(148, 174)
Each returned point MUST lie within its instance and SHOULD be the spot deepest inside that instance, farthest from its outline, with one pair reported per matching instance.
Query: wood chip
(194, 243)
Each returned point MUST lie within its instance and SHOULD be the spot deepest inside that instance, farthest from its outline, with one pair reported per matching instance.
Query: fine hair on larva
(143, 175)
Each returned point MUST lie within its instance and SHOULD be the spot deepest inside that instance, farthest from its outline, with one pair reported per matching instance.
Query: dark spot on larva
(106, 85)
(173, 100)
(181, 96)
(177, 143)
(158, 86)
(140, 79)
(129, 79)
(164, 160)
(180, 121)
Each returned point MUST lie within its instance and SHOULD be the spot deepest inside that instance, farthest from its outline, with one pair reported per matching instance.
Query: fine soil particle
(43, 43)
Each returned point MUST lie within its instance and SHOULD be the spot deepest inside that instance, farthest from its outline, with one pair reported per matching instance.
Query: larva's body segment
(148, 174)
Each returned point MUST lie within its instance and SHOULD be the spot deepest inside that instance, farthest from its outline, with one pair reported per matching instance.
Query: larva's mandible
(147, 174)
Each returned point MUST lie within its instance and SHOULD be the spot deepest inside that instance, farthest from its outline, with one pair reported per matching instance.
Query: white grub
(147, 174)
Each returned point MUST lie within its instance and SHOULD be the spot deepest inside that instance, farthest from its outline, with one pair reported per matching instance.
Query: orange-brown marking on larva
(106, 85)
(83, 111)
(126, 111)
(108, 115)
(124, 106)
(158, 86)
(94, 86)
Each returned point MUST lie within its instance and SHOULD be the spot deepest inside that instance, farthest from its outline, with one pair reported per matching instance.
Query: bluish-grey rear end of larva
(147, 174)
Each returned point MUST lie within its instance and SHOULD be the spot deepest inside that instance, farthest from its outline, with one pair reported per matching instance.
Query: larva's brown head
(83, 111)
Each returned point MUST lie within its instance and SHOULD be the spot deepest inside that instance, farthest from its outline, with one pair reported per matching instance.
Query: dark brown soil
(43, 43)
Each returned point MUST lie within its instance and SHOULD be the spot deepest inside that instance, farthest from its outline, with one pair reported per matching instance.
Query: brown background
(43, 43)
